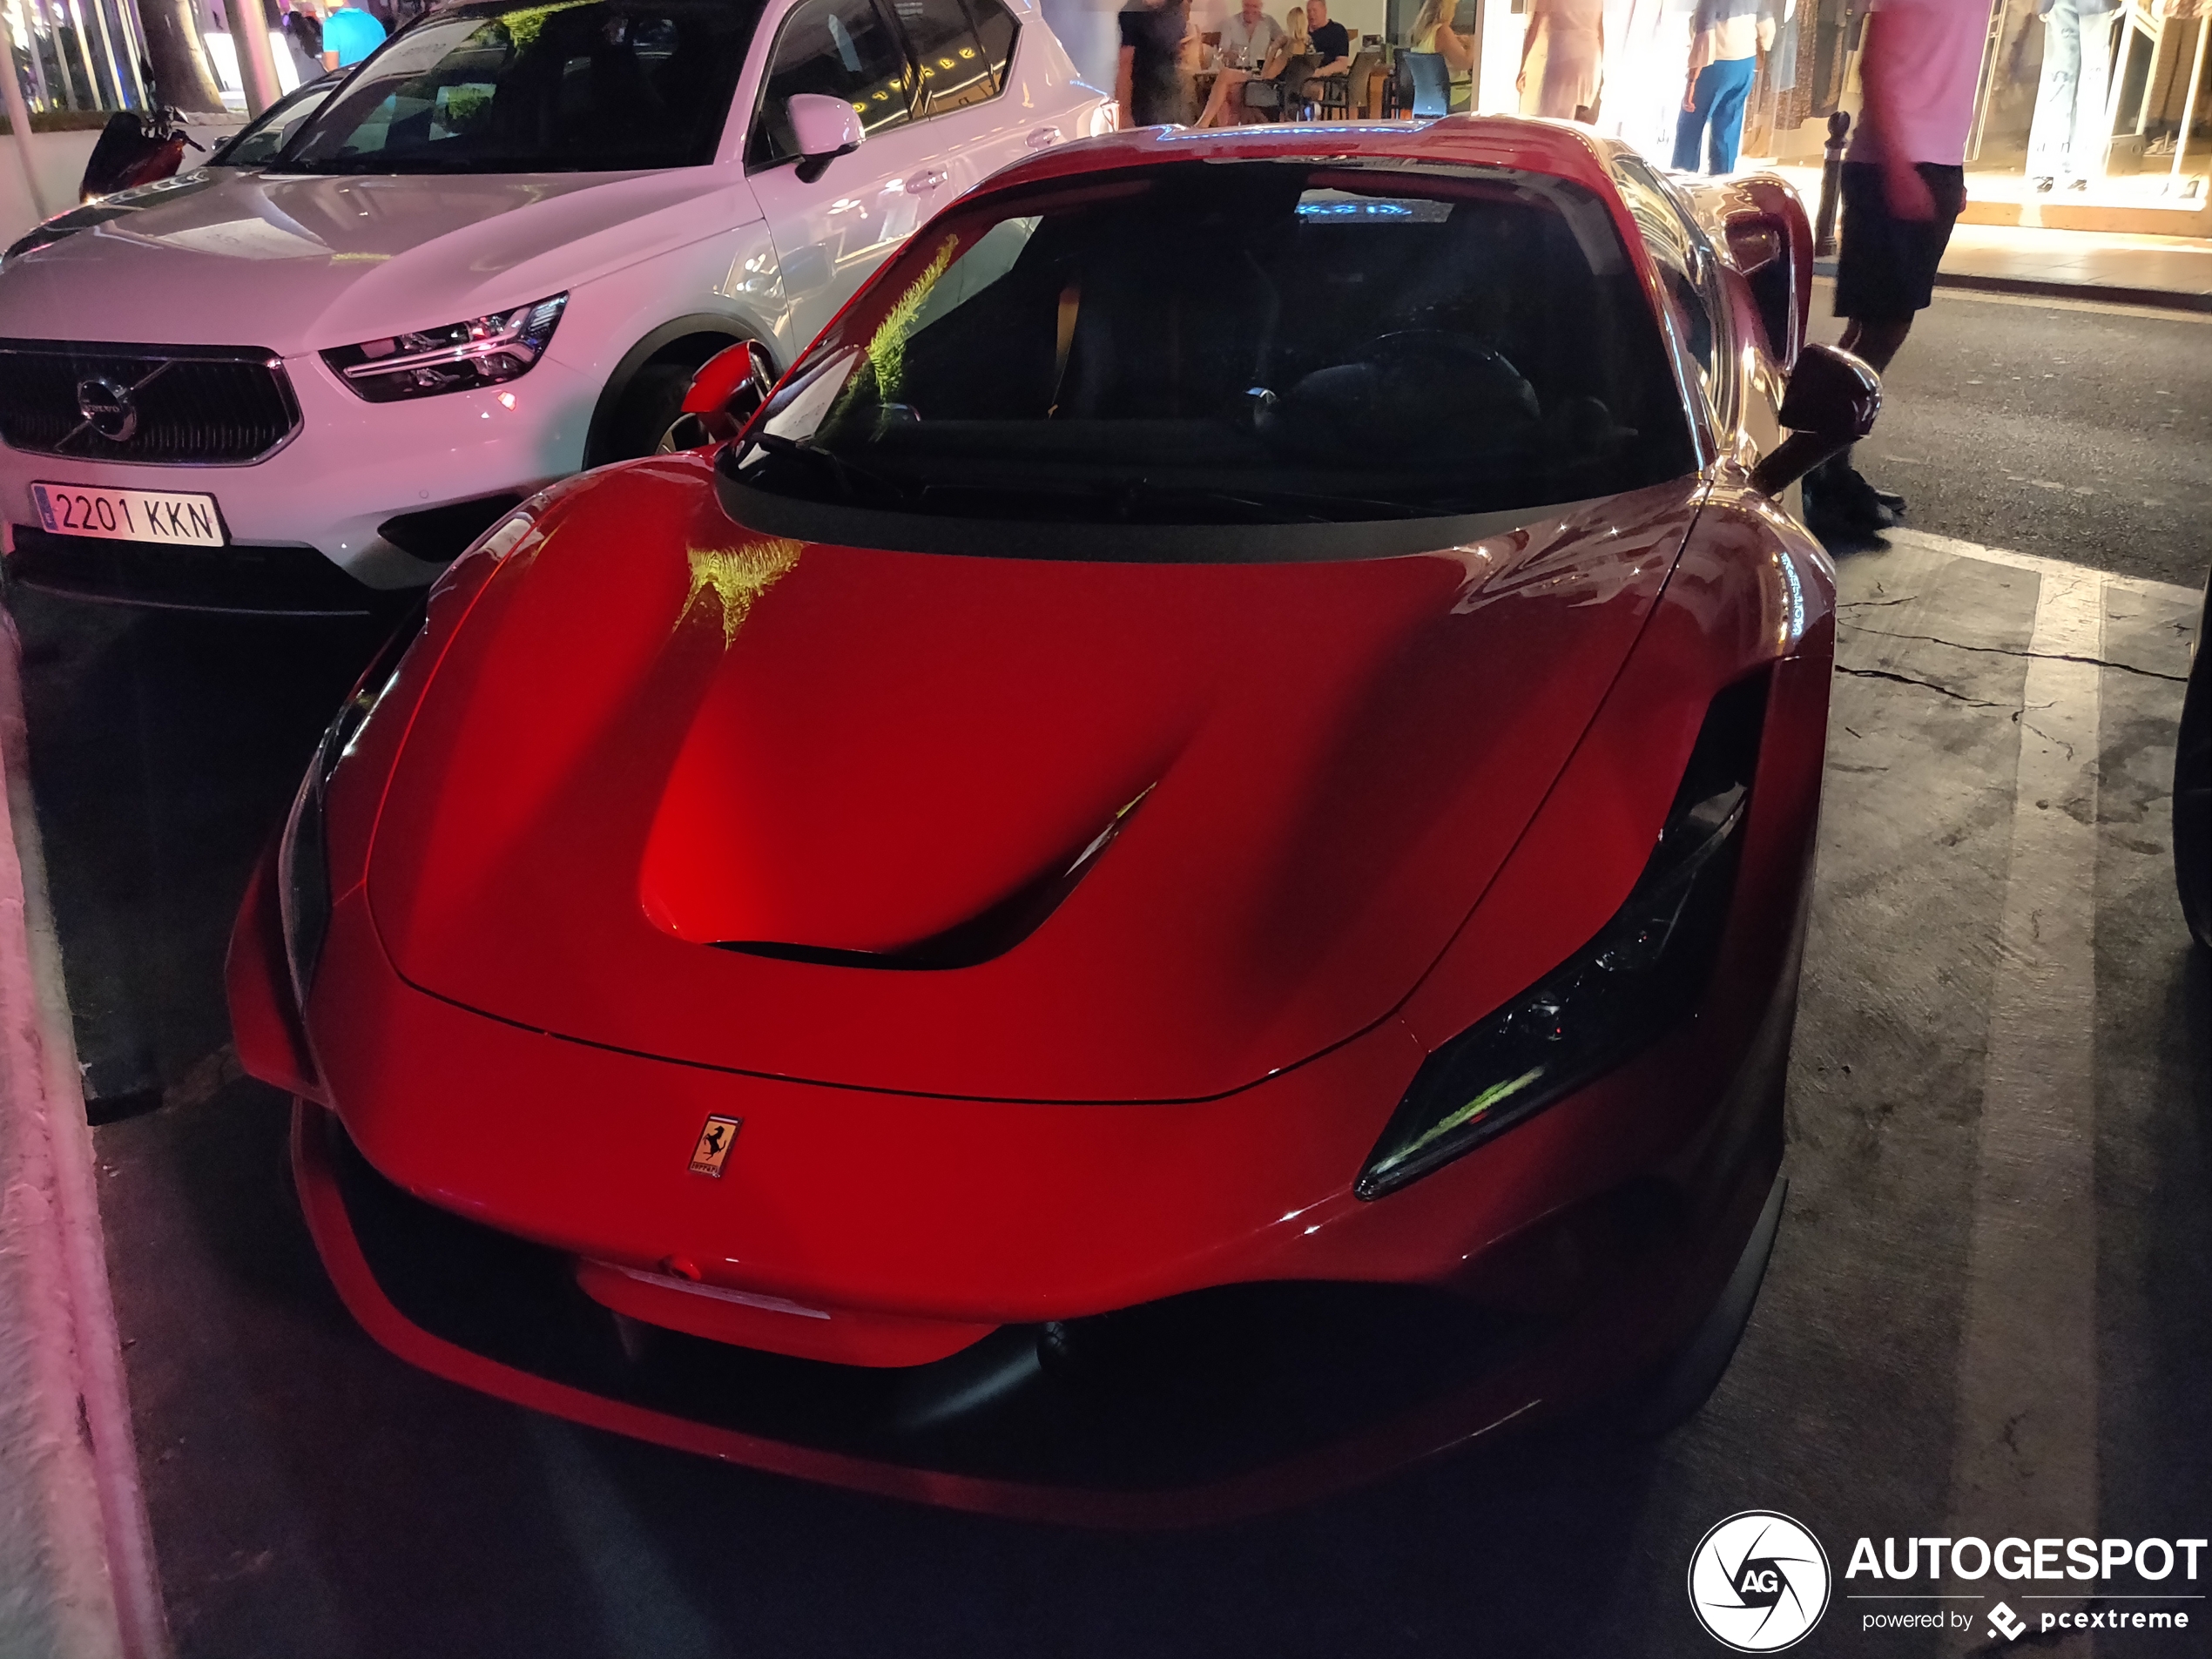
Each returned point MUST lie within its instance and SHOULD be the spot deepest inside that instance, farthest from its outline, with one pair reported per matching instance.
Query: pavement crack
(1912, 679)
(2010, 651)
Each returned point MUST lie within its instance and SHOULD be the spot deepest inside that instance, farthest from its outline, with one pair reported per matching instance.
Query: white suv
(494, 256)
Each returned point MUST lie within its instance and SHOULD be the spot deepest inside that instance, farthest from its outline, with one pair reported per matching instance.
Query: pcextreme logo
(1758, 1582)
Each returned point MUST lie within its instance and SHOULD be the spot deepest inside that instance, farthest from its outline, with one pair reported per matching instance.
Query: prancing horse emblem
(714, 1145)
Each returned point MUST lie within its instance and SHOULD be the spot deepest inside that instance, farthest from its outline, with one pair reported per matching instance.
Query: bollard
(1831, 180)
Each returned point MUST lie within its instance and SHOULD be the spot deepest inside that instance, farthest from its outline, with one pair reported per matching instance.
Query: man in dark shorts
(1904, 184)
(1148, 83)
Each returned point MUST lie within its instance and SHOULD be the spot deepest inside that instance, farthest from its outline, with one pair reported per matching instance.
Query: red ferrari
(1178, 877)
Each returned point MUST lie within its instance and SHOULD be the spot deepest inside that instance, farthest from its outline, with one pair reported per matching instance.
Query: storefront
(2087, 119)
(2089, 114)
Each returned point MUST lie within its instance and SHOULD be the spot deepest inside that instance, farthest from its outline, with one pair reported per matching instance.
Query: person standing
(303, 37)
(1727, 37)
(1149, 84)
(2066, 143)
(1246, 38)
(349, 34)
(1904, 184)
(1572, 34)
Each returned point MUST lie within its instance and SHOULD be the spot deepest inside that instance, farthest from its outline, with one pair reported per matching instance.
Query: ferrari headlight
(1643, 974)
(303, 854)
(482, 351)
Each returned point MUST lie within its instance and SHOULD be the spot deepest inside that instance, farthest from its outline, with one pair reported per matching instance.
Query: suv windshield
(1227, 342)
(585, 86)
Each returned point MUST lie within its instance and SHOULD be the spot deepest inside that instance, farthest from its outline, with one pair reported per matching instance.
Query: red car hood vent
(990, 932)
(1160, 829)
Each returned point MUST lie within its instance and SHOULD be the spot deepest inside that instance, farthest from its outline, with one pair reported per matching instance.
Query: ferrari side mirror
(1831, 403)
(728, 387)
(824, 128)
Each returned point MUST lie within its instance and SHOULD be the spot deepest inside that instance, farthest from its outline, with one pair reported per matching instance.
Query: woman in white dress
(1562, 59)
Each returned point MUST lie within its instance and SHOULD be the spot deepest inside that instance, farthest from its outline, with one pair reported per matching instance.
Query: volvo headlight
(303, 854)
(482, 351)
(1644, 973)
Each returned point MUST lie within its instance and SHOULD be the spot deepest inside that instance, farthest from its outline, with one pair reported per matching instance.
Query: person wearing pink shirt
(1904, 184)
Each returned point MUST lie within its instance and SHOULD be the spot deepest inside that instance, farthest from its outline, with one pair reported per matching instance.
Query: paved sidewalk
(2169, 270)
(77, 1574)
(2171, 273)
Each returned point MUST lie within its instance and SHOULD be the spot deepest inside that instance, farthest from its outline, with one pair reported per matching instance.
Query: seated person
(1432, 32)
(1247, 38)
(1282, 79)
(1331, 43)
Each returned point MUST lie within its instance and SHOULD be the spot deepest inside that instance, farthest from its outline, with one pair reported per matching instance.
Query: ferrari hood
(992, 827)
(305, 263)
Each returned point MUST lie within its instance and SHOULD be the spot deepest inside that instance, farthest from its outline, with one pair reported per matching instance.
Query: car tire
(1672, 1395)
(648, 407)
(2193, 797)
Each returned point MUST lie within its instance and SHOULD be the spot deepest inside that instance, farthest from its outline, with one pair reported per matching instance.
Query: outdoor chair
(1335, 94)
(1425, 83)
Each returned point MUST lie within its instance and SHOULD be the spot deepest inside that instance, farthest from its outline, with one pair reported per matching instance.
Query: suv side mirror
(824, 128)
(1831, 403)
(728, 387)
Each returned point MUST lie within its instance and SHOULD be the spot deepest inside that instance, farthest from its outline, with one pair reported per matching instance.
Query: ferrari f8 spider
(1177, 878)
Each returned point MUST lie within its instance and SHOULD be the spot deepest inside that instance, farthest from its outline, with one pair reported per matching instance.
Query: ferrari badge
(714, 1145)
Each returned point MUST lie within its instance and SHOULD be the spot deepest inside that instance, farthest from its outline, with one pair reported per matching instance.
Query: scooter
(136, 147)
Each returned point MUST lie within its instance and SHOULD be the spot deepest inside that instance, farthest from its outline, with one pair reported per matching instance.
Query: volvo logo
(107, 408)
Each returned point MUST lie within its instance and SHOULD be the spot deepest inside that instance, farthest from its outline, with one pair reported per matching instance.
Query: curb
(2035, 287)
(77, 1573)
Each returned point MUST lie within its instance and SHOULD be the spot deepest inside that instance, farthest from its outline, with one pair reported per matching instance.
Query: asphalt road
(312, 1495)
(2080, 432)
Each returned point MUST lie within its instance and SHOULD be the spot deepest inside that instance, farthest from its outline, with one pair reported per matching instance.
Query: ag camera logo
(1759, 1582)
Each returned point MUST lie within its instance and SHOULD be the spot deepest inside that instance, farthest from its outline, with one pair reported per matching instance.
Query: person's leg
(2050, 132)
(1227, 84)
(2085, 155)
(1689, 125)
(1731, 87)
(1875, 340)
(1879, 287)
(1870, 262)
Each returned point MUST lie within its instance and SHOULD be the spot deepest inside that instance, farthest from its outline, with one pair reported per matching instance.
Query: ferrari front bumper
(1200, 1409)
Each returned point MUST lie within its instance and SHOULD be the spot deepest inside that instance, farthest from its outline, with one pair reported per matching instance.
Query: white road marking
(2025, 1457)
(2035, 561)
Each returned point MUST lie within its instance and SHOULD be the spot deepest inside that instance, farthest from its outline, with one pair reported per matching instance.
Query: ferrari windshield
(585, 86)
(1238, 342)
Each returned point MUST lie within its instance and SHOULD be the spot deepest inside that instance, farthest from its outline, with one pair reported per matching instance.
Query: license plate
(129, 514)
